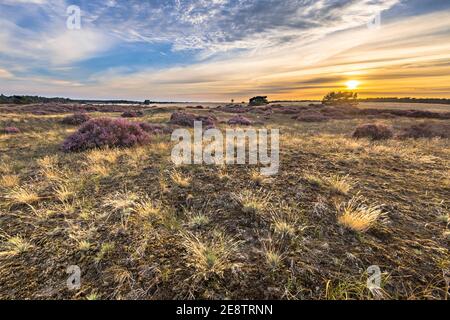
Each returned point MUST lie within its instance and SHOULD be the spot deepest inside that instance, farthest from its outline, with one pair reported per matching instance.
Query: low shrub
(240, 120)
(153, 128)
(76, 119)
(374, 131)
(188, 119)
(105, 132)
(427, 130)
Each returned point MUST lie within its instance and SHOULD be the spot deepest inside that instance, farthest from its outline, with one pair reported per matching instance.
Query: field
(139, 227)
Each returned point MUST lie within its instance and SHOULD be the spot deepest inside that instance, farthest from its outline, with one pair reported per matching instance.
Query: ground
(140, 228)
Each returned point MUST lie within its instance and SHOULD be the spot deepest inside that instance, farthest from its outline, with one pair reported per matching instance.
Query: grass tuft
(357, 216)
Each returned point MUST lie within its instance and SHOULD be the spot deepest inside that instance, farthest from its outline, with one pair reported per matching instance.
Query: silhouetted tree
(258, 101)
(341, 98)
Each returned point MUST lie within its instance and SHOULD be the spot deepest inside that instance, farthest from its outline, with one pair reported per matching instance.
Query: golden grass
(198, 220)
(314, 179)
(10, 181)
(15, 246)
(257, 177)
(358, 216)
(180, 179)
(147, 208)
(99, 156)
(210, 258)
(23, 195)
(272, 256)
(340, 184)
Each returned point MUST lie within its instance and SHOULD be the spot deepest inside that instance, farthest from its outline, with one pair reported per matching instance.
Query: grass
(358, 216)
(340, 184)
(253, 202)
(14, 246)
(139, 227)
(10, 181)
(23, 195)
(180, 179)
(209, 258)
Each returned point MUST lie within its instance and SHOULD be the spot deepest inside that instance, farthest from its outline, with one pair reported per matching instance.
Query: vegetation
(258, 101)
(341, 98)
(140, 227)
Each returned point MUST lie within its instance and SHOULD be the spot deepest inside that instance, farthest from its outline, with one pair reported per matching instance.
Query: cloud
(5, 74)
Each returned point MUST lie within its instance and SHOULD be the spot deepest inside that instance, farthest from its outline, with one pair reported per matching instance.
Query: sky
(218, 50)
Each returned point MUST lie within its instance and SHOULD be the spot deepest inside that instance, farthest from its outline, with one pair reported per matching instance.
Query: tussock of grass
(313, 179)
(105, 250)
(273, 257)
(340, 184)
(147, 208)
(198, 220)
(358, 216)
(14, 246)
(180, 179)
(253, 202)
(209, 258)
(23, 196)
(10, 181)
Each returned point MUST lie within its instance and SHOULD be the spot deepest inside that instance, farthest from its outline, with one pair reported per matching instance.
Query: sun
(352, 84)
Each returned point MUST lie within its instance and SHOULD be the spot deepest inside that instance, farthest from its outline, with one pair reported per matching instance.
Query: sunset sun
(352, 84)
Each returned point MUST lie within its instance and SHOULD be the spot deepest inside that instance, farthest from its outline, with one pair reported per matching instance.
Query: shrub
(240, 120)
(311, 117)
(340, 98)
(258, 101)
(10, 130)
(188, 119)
(76, 119)
(132, 114)
(105, 132)
(427, 130)
(375, 131)
(153, 128)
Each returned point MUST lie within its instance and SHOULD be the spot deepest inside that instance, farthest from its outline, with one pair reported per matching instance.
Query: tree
(341, 98)
(147, 102)
(258, 101)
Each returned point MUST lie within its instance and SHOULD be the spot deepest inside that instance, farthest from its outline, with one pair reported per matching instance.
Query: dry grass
(253, 202)
(10, 181)
(340, 184)
(209, 258)
(14, 246)
(358, 216)
(23, 195)
(258, 178)
(180, 179)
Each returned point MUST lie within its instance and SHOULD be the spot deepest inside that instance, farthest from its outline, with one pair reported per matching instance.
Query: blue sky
(217, 50)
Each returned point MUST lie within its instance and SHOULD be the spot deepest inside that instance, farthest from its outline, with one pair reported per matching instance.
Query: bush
(105, 132)
(153, 128)
(258, 101)
(132, 114)
(76, 119)
(427, 130)
(340, 98)
(188, 119)
(240, 120)
(10, 130)
(374, 131)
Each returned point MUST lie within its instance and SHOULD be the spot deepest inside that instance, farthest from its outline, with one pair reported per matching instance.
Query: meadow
(140, 227)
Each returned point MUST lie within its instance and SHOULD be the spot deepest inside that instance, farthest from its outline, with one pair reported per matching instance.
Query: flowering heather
(106, 132)
(375, 131)
(11, 130)
(76, 119)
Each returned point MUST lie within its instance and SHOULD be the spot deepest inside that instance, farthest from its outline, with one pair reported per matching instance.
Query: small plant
(273, 257)
(147, 208)
(14, 246)
(105, 132)
(105, 249)
(340, 184)
(10, 181)
(23, 196)
(313, 179)
(180, 180)
(198, 220)
(76, 119)
(211, 258)
(63, 193)
(251, 202)
(357, 216)
(282, 227)
(132, 114)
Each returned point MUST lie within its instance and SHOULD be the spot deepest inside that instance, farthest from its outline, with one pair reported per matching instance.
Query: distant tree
(232, 100)
(341, 98)
(147, 102)
(258, 101)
